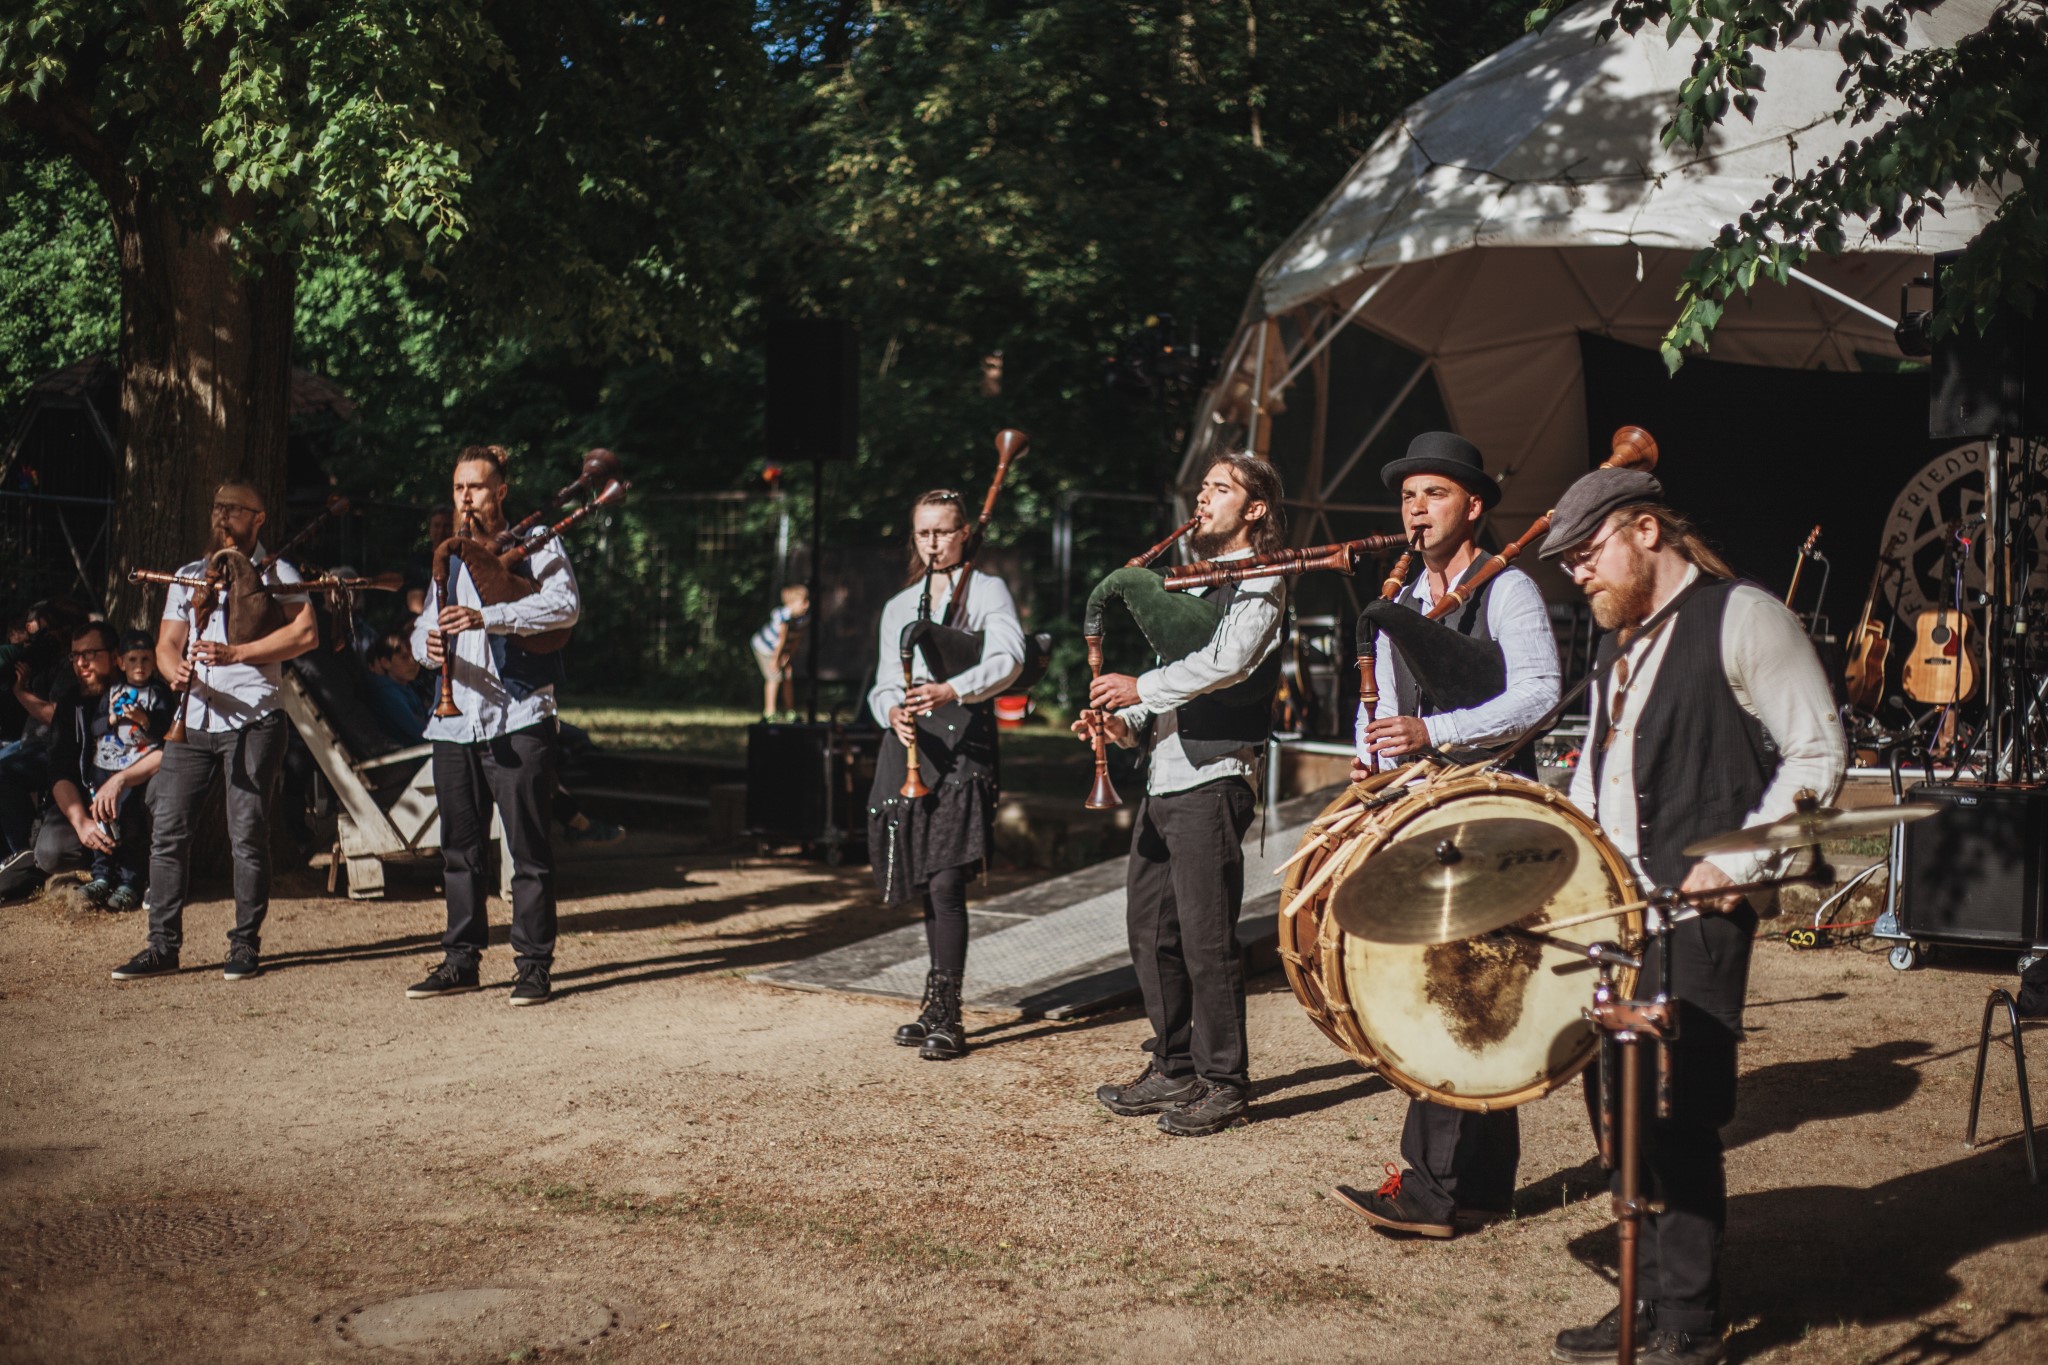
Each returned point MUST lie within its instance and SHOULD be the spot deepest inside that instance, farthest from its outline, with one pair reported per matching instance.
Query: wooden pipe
(1143, 561)
(446, 706)
(1368, 648)
(600, 470)
(336, 505)
(1342, 557)
(1102, 796)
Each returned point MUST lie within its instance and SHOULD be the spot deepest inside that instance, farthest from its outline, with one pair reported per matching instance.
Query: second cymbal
(1455, 881)
(1797, 831)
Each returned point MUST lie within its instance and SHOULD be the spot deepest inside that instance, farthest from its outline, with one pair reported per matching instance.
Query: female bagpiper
(930, 836)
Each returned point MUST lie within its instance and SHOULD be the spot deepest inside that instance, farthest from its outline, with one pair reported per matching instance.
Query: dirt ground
(670, 1162)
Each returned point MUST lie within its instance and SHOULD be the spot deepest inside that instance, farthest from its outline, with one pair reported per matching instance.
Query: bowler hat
(1441, 452)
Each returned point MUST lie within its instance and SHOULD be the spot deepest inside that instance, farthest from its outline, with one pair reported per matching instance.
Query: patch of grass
(706, 732)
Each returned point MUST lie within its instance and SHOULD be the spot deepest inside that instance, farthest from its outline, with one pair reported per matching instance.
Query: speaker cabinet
(809, 783)
(813, 389)
(1973, 874)
(1993, 383)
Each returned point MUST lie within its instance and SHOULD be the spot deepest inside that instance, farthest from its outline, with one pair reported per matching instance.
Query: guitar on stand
(1939, 668)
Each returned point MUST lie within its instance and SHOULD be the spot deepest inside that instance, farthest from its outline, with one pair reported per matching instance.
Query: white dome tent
(1523, 203)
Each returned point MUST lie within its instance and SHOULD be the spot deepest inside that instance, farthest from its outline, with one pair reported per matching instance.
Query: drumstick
(1627, 908)
(1322, 835)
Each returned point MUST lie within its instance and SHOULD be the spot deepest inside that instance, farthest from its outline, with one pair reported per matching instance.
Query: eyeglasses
(1579, 559)
(228, 509)
(88, 653)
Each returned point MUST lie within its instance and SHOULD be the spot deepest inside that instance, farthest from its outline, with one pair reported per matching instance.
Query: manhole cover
(482, 1320)
(164, 1236)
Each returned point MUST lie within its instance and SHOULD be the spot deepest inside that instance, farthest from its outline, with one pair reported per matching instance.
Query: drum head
(1490, 1022)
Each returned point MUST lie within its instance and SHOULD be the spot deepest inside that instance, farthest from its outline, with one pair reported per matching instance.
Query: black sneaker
(1681, 1348)
(1601, 1342)
(530, 987)
(1152, 1092)
(1210, 1109)
(150, 961)
(124, 899)
(450, 978)
(97, 892)
(242, 964)
(1388, 1209)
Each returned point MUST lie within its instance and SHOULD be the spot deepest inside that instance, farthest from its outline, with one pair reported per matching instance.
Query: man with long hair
(1185, 885)
(1713, 713)
(233, 725)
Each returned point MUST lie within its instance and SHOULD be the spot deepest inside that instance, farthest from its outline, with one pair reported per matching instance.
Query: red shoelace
(1391, 1186)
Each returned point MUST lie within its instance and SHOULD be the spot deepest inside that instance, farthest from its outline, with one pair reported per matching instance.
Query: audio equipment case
(1975, 875)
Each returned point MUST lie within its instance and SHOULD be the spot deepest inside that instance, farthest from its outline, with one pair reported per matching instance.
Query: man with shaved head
(233, 727)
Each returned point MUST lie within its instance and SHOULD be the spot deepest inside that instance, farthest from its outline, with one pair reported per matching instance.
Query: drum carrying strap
(1594, 676)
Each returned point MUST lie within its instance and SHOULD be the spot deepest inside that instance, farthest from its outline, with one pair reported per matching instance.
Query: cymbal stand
(1626, 1027)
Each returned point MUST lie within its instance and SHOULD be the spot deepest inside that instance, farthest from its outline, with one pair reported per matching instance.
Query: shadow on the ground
(1788, 1095)
(1363, 1084)
(1028, 1029)
(1823, 1255)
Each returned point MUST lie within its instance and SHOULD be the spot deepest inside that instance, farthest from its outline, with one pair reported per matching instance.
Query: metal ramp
(1055, 949)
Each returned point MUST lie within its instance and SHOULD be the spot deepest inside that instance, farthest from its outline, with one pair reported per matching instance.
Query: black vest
(1241, 714)
(1701, 761)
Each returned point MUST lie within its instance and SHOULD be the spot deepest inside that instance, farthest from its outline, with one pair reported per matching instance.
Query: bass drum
(1487, 1023)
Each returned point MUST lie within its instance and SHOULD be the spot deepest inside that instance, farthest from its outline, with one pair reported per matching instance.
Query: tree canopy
(1930, 120)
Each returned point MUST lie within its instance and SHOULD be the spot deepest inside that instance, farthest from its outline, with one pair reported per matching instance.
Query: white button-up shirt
(990, 610)
(1521, 627)
(229, 696)
(1775, 676)
(1249, 632)
(488, 710)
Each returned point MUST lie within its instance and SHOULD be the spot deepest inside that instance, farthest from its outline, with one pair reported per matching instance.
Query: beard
(1210, 542)
(224, 539)
(1626, 600)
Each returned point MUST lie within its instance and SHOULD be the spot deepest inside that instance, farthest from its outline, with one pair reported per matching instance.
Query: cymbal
(1455, 881)
(1797, 831)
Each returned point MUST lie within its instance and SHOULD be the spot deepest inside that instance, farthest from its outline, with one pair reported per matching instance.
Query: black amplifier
(1974, 874)
(809, 784)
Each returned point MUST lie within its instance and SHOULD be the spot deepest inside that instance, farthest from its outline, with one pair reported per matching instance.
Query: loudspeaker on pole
(813, 390)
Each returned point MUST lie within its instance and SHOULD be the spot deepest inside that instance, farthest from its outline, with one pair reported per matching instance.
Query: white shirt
(1249, 632)
(990, 610)
(1775, 676)
(488, 710)
(229, 696)
(1521, 627)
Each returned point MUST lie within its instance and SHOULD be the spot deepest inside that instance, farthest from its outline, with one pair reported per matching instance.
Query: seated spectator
(36, 671)
(105, 746)
(393, 698)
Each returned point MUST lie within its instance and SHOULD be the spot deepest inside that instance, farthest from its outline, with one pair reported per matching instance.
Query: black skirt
(954, 824)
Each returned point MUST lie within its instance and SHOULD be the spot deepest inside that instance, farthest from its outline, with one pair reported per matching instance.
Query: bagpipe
(948, 647)
(492, 561)
(1455, 669)
(229, 581)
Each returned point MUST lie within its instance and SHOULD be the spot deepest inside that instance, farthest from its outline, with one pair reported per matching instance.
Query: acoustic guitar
(1863, 679)
(1939, 669)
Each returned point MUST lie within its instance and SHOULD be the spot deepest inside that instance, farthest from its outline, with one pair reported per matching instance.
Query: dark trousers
(1458, 1159)
(58, 845)
(1679, 1266)
(249, 757)
(1182, 895)
(516, 773)
(945, 917)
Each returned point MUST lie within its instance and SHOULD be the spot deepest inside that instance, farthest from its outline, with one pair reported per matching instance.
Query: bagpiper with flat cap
(1459, 1161)
(1713, 714)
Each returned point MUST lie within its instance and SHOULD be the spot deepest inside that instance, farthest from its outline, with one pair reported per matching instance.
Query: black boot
(946, 1037)
(914, 1033)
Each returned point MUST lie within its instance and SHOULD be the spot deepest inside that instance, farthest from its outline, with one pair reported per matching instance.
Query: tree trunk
(205, 388)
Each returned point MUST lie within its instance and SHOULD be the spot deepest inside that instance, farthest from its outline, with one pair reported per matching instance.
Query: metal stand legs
(2019, 1060)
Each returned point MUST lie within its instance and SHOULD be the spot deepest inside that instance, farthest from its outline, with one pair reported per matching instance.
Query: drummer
(1459, 1162)
(1714, 713)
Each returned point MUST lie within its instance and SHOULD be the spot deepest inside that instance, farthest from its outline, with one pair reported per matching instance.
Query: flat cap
(1588, 502)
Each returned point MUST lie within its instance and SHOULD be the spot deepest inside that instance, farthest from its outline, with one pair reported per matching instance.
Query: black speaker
(813, 389)
(1990, 383)
(809, 783)
(1974, 873)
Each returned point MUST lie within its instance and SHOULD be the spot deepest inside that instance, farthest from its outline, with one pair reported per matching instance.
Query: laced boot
(914, 1033)
(946, 1037)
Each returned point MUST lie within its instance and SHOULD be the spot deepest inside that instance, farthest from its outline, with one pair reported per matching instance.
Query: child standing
(775, 647)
